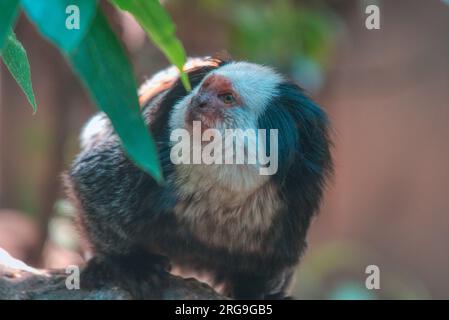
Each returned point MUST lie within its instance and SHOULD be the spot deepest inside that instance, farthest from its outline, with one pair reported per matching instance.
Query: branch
(19, 281)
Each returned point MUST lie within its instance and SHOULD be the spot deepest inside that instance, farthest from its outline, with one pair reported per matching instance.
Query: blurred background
(387, 94)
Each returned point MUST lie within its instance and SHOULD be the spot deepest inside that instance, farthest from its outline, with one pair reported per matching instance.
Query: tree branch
(21, 282)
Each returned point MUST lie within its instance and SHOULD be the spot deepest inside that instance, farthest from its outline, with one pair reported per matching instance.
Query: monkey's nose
(200, 101)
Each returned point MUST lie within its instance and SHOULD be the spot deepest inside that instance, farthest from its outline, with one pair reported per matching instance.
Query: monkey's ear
(222, 57)
(166, 78)
(159, 82)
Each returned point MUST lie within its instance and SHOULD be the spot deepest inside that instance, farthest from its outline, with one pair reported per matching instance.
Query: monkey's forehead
(244, 68)
(249, 76)
(256, 84)
(165, 78)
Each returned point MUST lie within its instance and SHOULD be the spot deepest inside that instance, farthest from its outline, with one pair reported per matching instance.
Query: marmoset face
(233, 96)
(217, 125)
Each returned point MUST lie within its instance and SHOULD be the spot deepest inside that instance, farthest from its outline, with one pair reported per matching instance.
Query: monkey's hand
(142, 274)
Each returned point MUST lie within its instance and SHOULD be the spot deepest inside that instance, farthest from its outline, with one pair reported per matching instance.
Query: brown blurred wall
(388, 98)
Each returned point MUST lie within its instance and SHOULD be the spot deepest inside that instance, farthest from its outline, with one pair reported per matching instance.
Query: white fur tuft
(94, 130)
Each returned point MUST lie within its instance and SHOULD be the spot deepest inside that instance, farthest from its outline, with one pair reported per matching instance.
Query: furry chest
(237, 222)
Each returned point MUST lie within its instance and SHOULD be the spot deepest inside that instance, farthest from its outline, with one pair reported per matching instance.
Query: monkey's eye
(227, 98)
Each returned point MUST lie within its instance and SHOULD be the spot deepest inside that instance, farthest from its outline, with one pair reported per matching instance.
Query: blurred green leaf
(16, 60)
(101, 63)
(351, 290)
(8, 14)
(51, 16)
(159, 26)
(261, 32)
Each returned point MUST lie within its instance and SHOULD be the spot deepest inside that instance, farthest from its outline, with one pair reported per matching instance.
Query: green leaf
(159, 26)
(54, 19)
(101, 63)
(8, 14)
(16, 60)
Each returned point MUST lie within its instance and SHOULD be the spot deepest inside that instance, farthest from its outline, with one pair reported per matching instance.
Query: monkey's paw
(143, 275)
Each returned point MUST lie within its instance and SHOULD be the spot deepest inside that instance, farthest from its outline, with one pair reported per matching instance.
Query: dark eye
(227, 98)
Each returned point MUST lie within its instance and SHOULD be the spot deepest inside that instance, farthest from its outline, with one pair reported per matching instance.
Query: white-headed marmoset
(247, 230)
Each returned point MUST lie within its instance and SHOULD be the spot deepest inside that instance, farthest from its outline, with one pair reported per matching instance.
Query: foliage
(15, 58)
(50, 18)
(280, 30)
(296, 38)
(335, 271)
(159, 27)
(8, 13)
(98, 58)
